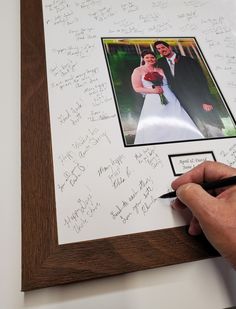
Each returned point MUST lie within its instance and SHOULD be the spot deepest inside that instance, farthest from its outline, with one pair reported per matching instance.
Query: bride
(162, 118)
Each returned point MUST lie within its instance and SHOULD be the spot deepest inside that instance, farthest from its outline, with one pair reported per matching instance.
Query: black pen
(225, 182)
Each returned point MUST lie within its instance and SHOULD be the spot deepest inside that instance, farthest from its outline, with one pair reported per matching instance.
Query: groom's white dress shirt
(171, 62)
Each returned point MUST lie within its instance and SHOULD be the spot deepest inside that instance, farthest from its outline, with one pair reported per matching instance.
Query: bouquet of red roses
(157, 80)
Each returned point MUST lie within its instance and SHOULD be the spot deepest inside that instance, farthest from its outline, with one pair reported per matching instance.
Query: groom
(188, 82)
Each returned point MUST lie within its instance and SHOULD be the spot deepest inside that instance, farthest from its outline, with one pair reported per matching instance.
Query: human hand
(215, 216)
(207, 107)
(157, 89)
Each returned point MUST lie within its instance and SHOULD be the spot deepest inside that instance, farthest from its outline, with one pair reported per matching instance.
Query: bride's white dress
(164, 123)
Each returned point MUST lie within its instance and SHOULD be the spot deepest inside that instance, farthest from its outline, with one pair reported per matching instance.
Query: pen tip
(168, 195)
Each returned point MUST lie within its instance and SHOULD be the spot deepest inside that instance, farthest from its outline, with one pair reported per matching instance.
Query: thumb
(196, 199)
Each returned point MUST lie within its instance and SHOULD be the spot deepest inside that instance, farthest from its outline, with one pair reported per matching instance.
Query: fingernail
(178, 191)
(181, 188)
(193, 231)
(172, 204)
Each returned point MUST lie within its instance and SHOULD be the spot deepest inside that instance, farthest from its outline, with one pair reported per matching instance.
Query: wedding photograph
(165, 92)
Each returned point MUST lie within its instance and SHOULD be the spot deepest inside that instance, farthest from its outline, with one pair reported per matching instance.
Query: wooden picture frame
(44, 262)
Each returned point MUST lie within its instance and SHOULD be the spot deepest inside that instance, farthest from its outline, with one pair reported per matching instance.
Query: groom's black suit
(190, 87)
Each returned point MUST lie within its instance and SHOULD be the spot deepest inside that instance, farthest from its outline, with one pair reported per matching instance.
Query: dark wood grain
(44, 262)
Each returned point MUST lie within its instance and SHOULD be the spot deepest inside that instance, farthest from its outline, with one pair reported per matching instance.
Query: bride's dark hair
(146, 52)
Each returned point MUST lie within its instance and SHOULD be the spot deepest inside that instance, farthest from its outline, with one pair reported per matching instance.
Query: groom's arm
(207, 101)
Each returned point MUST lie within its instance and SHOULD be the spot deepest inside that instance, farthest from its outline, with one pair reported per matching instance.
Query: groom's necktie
(172, 67)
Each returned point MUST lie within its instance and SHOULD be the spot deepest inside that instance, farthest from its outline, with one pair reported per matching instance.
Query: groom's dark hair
(161, 42)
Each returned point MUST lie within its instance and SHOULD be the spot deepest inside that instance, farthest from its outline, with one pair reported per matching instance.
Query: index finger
(206, 171)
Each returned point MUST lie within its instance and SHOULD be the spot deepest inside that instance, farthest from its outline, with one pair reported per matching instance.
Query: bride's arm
(136, 80)
(160, 71)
